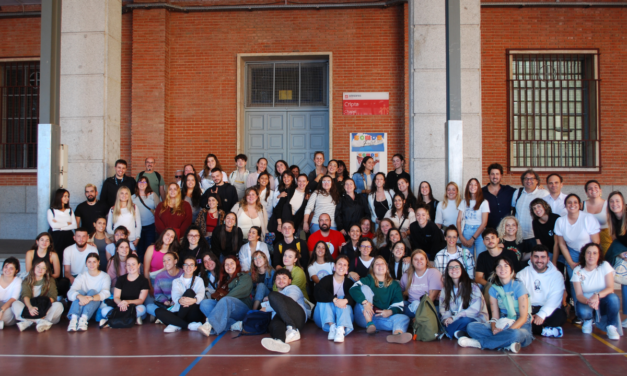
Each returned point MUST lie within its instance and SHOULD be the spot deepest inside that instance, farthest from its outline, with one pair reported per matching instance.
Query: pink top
(157, 261)
(112, 274)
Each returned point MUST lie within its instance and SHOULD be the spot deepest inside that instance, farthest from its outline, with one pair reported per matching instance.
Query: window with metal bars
(287, 84)
(19, 114)
(553, 115)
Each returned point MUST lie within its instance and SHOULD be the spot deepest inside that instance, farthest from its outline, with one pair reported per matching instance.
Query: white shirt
(85, 282)
(592, 281)
(578, 234)
(181, 284)
(522, 209)
(320, 204)
(132, 223)
(245, 254)
(13, 291)
(446, 216)
(320, 270)
(62, 218)
(557, 205)
(600, 216)
(411, 218)
(76, 259)
(473, 217)
(297, 200)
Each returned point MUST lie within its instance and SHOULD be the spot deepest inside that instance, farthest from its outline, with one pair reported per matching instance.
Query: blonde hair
(388, 277)
(501, 228)
(117, 209)
(411, 270)
(458, 199)
(91, 186)
(177, 207)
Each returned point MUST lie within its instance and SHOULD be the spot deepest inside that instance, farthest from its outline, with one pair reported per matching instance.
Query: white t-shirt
(446, 216)
(76, 259)
(320, 270)
(13, 291)
(473, 217)
(577, 235)
(366, 263)
(592, 281)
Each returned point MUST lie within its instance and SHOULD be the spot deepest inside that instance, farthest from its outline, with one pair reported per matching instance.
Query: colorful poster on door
(373, 145)
(366, 103)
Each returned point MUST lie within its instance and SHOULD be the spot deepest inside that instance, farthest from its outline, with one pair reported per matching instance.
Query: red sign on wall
(366, 103)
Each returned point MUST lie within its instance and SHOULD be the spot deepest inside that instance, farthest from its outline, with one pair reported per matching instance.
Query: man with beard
(545, 285)
(227, 192)
(75, 256)
(110, 186)
(499, 196)
(154, 178)
(333, 238)
(89, 211)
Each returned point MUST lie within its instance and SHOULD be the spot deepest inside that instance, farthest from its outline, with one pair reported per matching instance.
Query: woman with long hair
(543, 224)
(351, 248)
(446, 213)
(420, 279)
(282, 196)
(323, 201)
(321, 262)
(380, 237)
(89, 290)
(101, 239)
(125, 213)
(317, 173)
(255, 243)
(360, 266)
(266, 195)
(262, 166)
(131, 290)
(398, 263)
(193, 244)
(43, 249)
(117, 264)
(38, 285)
(597, 207)
(474, 211)
(461, 301)
(379, 199)
(210, 217)
(617, 225)
(227, 238)
(332, 171)
(174, 212)
(394, 236)
(510, 326)
(426, 197)
(401, 215)
(191, 193)
(251, 212)
(403, 187)
(162, 286)
(153, 260)
(454, 252)
(280, 167)
(367, 227)
(261, 273)
(211, 162)
(10, 290)
(379, 303)
(62, 220)
(351, 208)
(511, 237)
(146, 200)
(363, 176)
(424, 234)
(210, 272)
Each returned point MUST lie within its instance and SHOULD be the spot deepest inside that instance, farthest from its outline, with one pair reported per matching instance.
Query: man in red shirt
(333, 238)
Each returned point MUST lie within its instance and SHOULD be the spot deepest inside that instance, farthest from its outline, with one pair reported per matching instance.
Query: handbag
(42, 303)
(222, 290)
(118, 319)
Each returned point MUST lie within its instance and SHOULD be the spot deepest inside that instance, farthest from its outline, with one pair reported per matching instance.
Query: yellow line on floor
(605, 342)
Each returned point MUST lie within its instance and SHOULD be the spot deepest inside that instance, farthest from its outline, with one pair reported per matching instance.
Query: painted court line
(189, 368)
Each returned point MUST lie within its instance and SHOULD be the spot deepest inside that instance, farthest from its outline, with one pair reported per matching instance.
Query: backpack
(255, 323)
(158, 175)
(520, 190)
(297, 247)
(118, 319)
(426, 326)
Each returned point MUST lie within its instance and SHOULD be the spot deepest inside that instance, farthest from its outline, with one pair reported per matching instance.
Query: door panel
(265, 137)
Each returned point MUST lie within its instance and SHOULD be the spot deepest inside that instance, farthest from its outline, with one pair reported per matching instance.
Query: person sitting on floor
(399, 261)
(360, 266)
(39, 284)
(334, 311)
(10, 290)
(420, 279)
(380, 303)
(131, 290)
(229, 304)
(510, 326)
(162, 287)
(210, 272)
(289, 315)
(297, 274)
(461, 301)
(255, 243)
(262, 276)
(321, 263)
(594, 291)
(545, 285)
(89, 289)
(188, 292)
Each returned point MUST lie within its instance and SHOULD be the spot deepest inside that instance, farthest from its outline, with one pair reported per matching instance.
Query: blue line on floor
(189, 368)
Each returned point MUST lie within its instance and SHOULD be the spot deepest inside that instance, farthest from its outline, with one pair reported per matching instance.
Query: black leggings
(184, 316)
(557, 318)
(288, 313)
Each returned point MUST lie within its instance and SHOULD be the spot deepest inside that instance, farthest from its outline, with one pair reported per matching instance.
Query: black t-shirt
(518, 249)
(544, 232)
(486, 263)
(380, 208)
(89, 213)
(391, 180)
(131, 290)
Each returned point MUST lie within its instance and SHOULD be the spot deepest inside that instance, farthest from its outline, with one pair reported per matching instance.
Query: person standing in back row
(90, 210)
(521, 201)
(239, 176)
(398, 161)
(111, 185)
(156, 182)
(499, 196)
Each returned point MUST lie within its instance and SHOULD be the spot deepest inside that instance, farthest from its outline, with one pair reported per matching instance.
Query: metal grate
(19, 114)
(553, 111)
(287, 84)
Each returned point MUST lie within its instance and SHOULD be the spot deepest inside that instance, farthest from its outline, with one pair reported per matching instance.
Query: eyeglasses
(530, 179)
(142, 182)
(365, 246)
(258, 258)
(189, 265)
(178, 176)
(454, 267)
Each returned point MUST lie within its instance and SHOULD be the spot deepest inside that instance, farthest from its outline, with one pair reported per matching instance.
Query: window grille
(287, 84)
(553, 111)
(19, 114)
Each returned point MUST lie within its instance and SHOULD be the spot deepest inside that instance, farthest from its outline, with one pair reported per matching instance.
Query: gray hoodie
(545, 289)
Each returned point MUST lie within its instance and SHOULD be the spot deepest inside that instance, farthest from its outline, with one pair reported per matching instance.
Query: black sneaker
(461, 333)
(577, 321)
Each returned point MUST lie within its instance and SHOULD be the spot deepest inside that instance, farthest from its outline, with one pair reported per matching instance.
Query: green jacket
(240, 288)
(27, 291)
(390, 297)
(298, 279)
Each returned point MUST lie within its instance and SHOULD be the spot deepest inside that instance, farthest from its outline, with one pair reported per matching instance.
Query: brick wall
(557, 28)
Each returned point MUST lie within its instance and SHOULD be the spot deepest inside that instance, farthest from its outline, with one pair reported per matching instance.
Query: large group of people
(499, 263)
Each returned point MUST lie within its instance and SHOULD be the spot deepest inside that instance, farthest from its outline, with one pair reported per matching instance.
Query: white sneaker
(157, 321)
(468, 342)
(171, 329)
(205, 329)
(82, 324)
(339, 334)
(103, 323)
(332, 331)
(1, 324)
(514, 347)
(193, 326)
(623, 324)
(237, 327)
(291, 335)
(586, 328)
(139, 321)
(612, 333)
(23, 325)
(43, 325)
(275, 345)
(73, 325)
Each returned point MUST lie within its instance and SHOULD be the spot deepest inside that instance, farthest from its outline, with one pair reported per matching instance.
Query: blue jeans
(575, 256)
(483, 333)
(87, 310)
(315, 227)
(608, 306)
(459, 324)
(223, 313)
(393, 323)
(148, 238)
(140, 311)
(623, 290)
(478, 245)
(326, 313)
(261, 292)
(151, 308)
